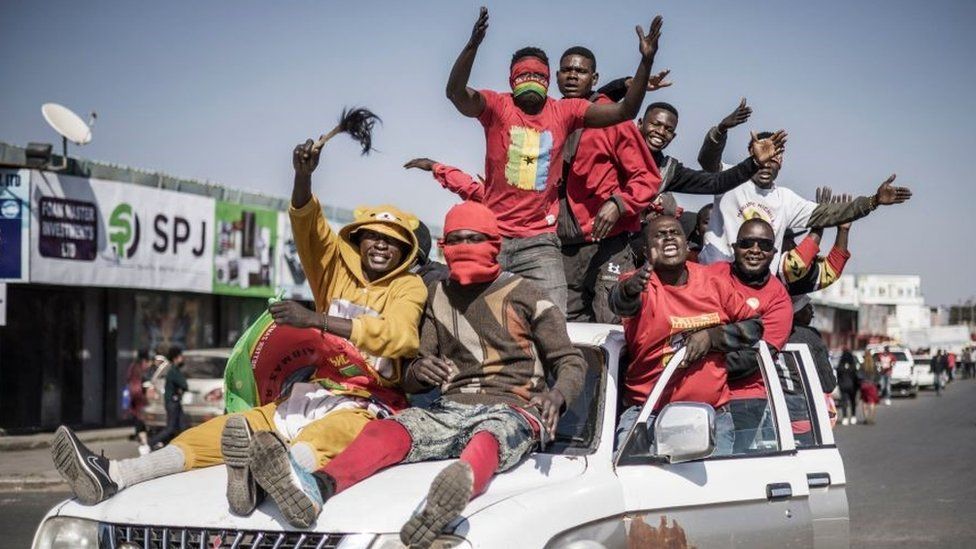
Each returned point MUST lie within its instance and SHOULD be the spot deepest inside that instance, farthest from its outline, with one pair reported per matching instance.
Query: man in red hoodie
(609, 178)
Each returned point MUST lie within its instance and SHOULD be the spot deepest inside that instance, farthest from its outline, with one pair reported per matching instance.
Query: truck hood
(381, 504)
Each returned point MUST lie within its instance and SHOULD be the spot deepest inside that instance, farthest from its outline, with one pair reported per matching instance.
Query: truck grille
(115, 536)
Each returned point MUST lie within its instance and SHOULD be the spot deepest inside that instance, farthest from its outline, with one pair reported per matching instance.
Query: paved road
(911, 478)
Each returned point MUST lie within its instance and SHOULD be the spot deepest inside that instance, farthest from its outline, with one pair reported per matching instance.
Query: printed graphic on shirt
(343, 308)
(753, 303)
(752, 210)
(681, 325)
(529, 152)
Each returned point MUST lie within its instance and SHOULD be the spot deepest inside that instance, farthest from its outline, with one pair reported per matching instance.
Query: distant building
(887, 305)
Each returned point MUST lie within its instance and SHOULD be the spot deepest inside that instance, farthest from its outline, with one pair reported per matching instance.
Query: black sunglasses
(764, 244)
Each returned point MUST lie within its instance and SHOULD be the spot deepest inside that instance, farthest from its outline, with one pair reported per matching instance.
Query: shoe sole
(448, 496)
(69, 463)
(272, 471)
(235, 445)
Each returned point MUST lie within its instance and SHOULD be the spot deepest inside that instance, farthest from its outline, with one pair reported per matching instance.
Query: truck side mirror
(684, 431)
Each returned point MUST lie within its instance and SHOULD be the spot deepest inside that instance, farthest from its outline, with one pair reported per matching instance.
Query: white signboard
(291, 277)
(14, 225)
(92, 232)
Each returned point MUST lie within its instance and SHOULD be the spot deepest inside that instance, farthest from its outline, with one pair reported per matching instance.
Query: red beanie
(472, 216)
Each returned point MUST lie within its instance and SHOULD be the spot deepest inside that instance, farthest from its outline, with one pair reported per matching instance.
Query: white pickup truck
(577, 493)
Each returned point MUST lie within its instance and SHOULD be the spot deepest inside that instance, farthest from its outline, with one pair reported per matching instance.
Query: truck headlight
(66, 533)
(444, 541)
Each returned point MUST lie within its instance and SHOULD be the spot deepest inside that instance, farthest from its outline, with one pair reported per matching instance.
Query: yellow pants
(327, 436)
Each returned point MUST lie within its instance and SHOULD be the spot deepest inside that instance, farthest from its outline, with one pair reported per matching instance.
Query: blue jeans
(748, 416)
(724, 429)
(538, 258)
(885, 381)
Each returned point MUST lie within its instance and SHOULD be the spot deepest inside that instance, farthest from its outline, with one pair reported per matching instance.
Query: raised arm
(710, 154)
(839, 213)
(615, 90)
(602, 115)
(689, 181)
(468, 101)
(451, 178)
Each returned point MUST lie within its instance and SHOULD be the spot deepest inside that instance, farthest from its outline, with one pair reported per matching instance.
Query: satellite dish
(67, 123)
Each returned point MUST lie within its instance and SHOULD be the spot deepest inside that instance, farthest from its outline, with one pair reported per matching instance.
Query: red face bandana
(477, 262)
(525, 76)
(473, 263)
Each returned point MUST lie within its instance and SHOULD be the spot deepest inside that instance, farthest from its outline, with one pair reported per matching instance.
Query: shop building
(99, 261)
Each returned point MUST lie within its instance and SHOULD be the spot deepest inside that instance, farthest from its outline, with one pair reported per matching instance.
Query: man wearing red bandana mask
(525, 131)
(489, 340)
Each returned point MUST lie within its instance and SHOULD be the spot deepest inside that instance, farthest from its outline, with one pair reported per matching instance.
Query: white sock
(304, 455)
(165, 461)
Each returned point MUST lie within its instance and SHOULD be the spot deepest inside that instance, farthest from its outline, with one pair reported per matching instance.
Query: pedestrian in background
(135, 377)
(848, 382)
(869, 389)
(939, 366)
(173, 398)
(950, 369)
(968, 367)
(886, 363)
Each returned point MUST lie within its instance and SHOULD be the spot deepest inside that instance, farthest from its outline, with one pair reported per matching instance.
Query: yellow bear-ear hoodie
(386, 312)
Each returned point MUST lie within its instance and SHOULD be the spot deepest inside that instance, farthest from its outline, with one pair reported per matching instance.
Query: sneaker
(887, 402)
(292, 488)
(845, 421)
(144, 449)
(243, 493)
(84, 471)
(447, 498)
(853, 421)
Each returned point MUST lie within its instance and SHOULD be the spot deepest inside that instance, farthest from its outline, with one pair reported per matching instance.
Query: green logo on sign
(124, 230)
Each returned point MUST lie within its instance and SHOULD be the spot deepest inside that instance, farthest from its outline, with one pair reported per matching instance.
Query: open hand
(480, 27)
(305, 157)
(550, 404)
(433, 371)
(648, 44)
(736, 117)
(605, 219)
(292, 313)
(697, 345)
(425, 164)
(889, 194)
(765, 150)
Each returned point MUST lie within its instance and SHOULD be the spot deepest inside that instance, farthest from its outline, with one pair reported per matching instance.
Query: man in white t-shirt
(779, 206)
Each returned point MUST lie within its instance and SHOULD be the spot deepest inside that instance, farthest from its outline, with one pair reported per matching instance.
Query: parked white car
(923, 372)
(204, 371)
(577, 493)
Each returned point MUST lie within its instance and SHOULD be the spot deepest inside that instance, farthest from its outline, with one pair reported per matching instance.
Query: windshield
(204, 367)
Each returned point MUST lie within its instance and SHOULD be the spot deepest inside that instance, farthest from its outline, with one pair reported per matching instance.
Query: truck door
(756, 498)
(816, 451)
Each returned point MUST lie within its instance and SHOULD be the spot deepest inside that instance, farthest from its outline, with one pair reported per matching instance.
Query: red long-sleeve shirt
(611, 162)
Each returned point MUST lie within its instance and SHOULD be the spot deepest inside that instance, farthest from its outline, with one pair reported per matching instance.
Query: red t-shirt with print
(523, 160)
(773, 304)
(668, 314)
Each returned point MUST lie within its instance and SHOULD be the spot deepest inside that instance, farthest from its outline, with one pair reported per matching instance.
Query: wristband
(325, 324)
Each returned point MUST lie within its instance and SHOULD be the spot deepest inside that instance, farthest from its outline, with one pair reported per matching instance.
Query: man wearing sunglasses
(754, 250)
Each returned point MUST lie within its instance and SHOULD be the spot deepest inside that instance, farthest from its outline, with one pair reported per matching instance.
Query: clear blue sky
(222, 90)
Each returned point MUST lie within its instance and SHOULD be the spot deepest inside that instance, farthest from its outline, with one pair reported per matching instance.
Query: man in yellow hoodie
(363, 292)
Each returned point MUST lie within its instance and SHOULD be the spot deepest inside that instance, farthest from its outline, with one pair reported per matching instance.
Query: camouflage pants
(443, 430)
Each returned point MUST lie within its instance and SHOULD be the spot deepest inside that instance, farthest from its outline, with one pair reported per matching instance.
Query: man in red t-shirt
(525, 132)
(609, 178)
(754, 250)
(668, 304)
